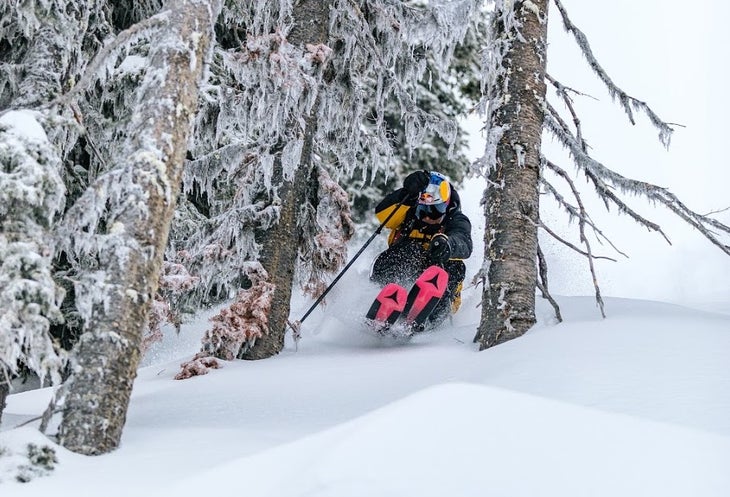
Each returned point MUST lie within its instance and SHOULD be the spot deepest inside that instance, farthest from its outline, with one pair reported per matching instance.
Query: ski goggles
(433, 211)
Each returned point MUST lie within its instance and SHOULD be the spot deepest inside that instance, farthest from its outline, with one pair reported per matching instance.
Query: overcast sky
(673, 55)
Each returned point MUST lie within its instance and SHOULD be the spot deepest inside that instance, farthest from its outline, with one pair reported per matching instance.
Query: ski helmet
(434, 200)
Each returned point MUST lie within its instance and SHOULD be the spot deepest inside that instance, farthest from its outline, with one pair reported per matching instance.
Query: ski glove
(440, 250)
(416, 182)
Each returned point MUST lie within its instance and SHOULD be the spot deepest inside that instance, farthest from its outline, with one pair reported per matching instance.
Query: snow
(23, 123)
(634, 404)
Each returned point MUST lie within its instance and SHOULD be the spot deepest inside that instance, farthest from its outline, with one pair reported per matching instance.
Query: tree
(517, 172)
(32, 196)
(250, 208)
(4, 390)
(447, 93)
(242, 168)
(279, 245)
(120, 226)
(40, 52)
(512, 205)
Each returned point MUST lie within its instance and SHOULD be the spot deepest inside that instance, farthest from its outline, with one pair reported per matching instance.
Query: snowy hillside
(636, 404)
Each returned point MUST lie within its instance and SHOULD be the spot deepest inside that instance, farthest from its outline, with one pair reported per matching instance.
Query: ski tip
(389, 304)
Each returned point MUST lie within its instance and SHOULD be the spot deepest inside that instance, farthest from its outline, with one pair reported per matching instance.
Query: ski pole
(296, 326)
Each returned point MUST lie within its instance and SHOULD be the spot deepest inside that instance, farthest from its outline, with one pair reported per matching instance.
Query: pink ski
(389, 304)
(425, 295)
(415, 307)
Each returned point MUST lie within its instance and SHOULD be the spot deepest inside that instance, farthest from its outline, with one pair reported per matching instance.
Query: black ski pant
(404, 261)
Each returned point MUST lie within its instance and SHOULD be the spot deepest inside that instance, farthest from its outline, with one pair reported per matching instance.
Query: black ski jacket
(455, 225)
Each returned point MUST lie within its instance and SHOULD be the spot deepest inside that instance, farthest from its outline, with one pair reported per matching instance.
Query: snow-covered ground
(635, 404)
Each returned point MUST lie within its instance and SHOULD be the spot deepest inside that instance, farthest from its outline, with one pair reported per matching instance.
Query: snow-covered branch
(105, 63)
(601, 176)
(31, 196)
(555, 124)
(627, 102)
(330, 222)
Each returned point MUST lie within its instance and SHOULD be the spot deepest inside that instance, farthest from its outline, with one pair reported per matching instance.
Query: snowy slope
(635, 404)
(472, 440)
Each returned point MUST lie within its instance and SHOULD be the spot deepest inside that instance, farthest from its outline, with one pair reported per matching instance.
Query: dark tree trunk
(96, 397)
(4, 390)
(512, 202)
(279, 244)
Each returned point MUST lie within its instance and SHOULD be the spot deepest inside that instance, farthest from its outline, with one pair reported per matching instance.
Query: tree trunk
(4, 390)
(279, 244)
(96, 397)
(512, 202)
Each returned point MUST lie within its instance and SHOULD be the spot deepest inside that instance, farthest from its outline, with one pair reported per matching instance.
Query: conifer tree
(42, 54)
(118, 227)
(448, 93)
(517, 112)
(247, 155)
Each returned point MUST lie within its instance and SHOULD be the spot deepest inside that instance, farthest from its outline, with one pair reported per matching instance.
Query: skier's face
(428, 220)
(431, 213)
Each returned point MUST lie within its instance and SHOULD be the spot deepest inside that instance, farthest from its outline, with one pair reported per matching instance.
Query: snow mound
(482, 441)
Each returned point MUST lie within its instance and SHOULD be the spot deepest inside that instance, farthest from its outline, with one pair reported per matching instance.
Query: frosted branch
(110, 52)
(563, 93)
(31, 196)
(598, 173)
(627, 102)
(575, 213)
(584, 162)
(332, 227)
(236, 328)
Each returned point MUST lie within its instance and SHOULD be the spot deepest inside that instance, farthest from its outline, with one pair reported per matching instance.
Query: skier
(427, 229)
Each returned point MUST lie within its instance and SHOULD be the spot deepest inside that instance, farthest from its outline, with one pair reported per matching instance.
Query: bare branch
(562, 92)
(628, 102)
(716, 211)
(574, 212)
(570, 245)
(542, 283)
(589, 256)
